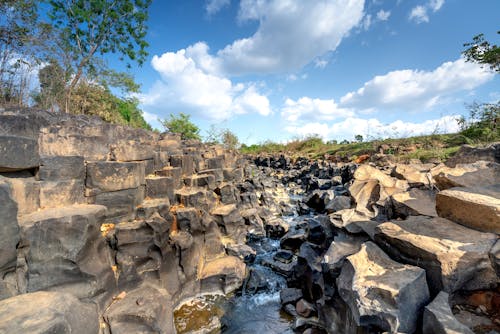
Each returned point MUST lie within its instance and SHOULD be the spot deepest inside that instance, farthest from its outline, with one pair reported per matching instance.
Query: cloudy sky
(281, 69)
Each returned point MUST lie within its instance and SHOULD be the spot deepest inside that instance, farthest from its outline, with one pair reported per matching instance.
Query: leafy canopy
(181, 125)
(482, 52)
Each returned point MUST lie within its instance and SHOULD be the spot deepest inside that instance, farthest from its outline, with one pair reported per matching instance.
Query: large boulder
(9, 238)
(413, 203)
(46, 312)
(478, 174)
(65, 251)
(454, 257)
(477, 208)
(381, 292)
(146, 309)
(438, 318)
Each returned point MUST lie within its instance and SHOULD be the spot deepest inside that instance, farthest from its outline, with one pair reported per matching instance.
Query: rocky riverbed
(108, 229)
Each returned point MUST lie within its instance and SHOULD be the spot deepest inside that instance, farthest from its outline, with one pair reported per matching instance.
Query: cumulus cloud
(214, 6)
(191, 81)
(309, 109)
(290, 33)
(373, 128)
(414, 89)
(419, 13)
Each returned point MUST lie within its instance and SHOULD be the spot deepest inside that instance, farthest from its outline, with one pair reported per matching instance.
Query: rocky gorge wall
(105, 229)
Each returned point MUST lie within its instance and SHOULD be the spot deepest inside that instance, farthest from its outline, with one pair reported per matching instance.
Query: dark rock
(438, 318)
(18, 153)
(150, 206)
(121, 204)
(146, 309)
(160, 187)
(257, 281)
(185, 162)
(46, 312)
(215, 163)
(338, 203)
(61, 193)
(64, 250)
(189, 220)
(315, 232)
(290, 296)
(470, 154)
(197, 198)
(174, 172)
(283, 256)
(305, 309)
(200, 180)
(106, 176)
(9, 238)
(293, 239)
(61, 168)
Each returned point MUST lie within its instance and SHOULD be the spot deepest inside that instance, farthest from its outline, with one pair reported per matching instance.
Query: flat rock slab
(381, 292)
(455, 257)
(414, 202)
(64, 249)
(145, 309)
(478, 174)
(61, 168)
(18, 153)
(47, 313)
(477, 208)
(438, 318)
(106, 176)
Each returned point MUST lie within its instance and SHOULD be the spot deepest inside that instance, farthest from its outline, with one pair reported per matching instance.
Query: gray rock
(61, 193)
(106, 176)
(9, 238)
(290, 295)
(438, 318)
(338, 203)
(18, 153)
(343, 246)
(174, 172)
(61, 168)
(454, 257)
(65, 251)
(160, 187)
(146, 309)
(47, 313)
(121, 205)
(381, 292)
(185, 162)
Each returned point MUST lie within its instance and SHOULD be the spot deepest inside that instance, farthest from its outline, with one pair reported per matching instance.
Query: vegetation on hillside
(181, 125)
(67, 49)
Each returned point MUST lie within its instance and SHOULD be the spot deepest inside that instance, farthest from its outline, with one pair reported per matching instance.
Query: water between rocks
(255, 308)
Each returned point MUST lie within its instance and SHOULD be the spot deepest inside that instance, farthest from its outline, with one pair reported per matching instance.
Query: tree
(483, 123)
(52, 83)
(99, 27)
(229, 139)
(181, 125)
(482, 52)
(358, 138)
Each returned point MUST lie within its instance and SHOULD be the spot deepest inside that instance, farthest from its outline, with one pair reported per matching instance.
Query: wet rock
(309, 273)
(276, 228)
(290, 296)
(64, 250)
(477, 208)
(9, 238)
(293, 239)
(285, 269)
(438, 318)
(455, 257)
(319, 199)
(381, 292)
(146, 309)
(257, 281)
(46, 312)
(316, 233)
(305, 309)
(283, 256)
(18, 153)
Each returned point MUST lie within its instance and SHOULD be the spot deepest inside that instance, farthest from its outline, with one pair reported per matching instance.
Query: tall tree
(482, 52)
(100, 27)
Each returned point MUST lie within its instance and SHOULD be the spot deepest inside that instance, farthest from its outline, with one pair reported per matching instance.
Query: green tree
(482, 52)
(181, 125)
(483, 123)
(99, 27)
(52, 83)
(230, 139)
(358, 138)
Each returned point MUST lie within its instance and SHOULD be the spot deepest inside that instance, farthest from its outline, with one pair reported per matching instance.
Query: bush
(181, 125)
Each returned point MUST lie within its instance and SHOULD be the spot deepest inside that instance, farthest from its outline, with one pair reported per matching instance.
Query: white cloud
(190, 81)
(214, 6)
(367, 22)
(419, 14)
(290, 33)
(309, 109)
(414, 89)
(383, 15)
(373, 128)
(320, 63)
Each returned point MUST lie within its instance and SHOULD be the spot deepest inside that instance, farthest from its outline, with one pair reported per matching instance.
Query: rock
(160, 187)
(316, 233)
(65, 251)
(61, 193)
(196, 198)
(228, 193)
(305, 309)
(438, 318)
(285, 269)
(61, 168)
(185, 162)
(121, 205)
(9, 238)
(256, 281)
(18, 153)
(46, 312)
(365, 173)
(293, 239)
(231, 269)
(338, 203)
(290, 295)
(495, 257)
(151, 206)
(283, 256)
(173, 172)
(477, 208)
(381, 292)
(200, 180)
(215, 163)
(455, 257)
(25, 192)
(411, 174)
(189, 220)
(469, 154)
(244, 252)
(253, 221)
(106, 176)
(413, 203)
(276, 228)
(309, 272)
(348, 219)
(229, 219)
(477, 323)
(146, 309)
(478, 174)
(343, 246)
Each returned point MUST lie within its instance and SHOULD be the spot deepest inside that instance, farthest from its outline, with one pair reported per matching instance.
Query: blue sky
(284, 69)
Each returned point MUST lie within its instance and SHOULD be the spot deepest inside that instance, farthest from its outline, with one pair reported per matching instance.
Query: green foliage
(222, 136)
(358, 138)
(52, 85)
(483, 123)
(181, 125)
(482, 52)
